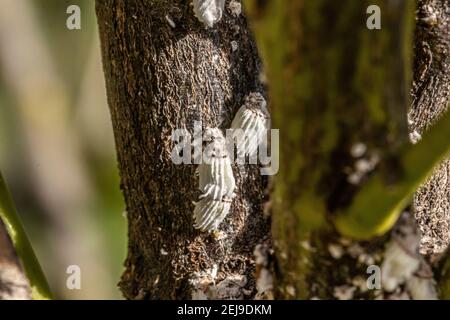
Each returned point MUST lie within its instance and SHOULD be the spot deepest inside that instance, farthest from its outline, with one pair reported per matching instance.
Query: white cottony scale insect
(208, 11)
(209, 213)
(215, 173)
(216, 182)
(254, 120)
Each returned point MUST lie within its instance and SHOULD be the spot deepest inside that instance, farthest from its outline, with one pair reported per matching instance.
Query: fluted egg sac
(216, 177)
(253, 124)
(216, 182)
(209, 213)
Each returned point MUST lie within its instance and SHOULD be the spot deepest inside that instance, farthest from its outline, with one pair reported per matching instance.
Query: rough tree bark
(164, 71)
(431, 94)
(340, 94)
(13, 282)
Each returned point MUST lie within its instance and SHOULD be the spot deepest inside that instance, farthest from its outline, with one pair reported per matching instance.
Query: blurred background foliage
(56, 144)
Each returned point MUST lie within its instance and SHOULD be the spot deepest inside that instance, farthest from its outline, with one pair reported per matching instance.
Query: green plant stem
(377, 206)
(40, 289)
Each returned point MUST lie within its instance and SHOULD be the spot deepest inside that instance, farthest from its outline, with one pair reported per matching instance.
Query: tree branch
(377, 206)
(8, 213)
(13, 283)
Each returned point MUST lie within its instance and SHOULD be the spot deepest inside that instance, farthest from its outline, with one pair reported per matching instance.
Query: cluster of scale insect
(216, 179)
(216, 182)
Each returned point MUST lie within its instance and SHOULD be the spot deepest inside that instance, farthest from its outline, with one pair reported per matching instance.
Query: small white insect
(208, 12)
(253, 119)
(216, 182)
(415, 137)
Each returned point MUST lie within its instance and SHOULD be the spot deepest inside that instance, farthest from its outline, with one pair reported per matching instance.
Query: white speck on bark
(219, 235)
(360, 283)
(355, 250)
(422, 288)
(415, 137)
(290, 290)
(398, 266)
(306, 245)
(234, 45)
(208, 12)
(335, 250)
(366, 259)
(363, 166)
(170, 21)
(205, 287)
(354, 178)
(344, 292)
(214, 270)
(358, 150)
(235, 8)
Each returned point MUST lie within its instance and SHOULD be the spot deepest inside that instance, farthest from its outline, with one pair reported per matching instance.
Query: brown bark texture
(431, 94)
(164, 70)
(339, 93)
